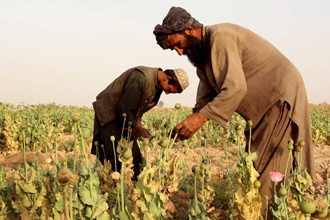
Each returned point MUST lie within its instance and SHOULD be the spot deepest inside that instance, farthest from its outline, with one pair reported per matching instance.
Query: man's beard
(196, 55)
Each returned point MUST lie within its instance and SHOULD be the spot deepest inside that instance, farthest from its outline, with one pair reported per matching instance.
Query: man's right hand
(189, 126)
(140, 131)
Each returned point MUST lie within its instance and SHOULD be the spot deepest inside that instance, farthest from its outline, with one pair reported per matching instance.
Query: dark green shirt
(129, 102)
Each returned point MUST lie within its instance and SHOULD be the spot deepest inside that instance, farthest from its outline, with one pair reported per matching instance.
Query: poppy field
(47, 171)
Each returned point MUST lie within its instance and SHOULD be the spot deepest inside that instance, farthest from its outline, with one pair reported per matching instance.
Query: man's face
(168, 88)
(185, 44)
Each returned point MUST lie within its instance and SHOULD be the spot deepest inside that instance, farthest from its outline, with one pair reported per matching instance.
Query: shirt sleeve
(205, 92)
(131, 96)
(228, 76)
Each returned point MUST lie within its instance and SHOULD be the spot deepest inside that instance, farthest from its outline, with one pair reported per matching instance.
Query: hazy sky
(68, 51)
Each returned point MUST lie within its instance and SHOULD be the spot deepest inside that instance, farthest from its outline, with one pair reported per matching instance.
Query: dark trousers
(103, 138)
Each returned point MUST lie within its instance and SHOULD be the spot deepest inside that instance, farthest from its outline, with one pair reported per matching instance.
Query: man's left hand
(188, 127)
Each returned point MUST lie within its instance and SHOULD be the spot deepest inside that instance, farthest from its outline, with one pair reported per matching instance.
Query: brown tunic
(244, 73)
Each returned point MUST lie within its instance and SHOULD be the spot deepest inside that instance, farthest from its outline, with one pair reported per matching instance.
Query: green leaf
(19, 207)
(59, 205)
(104, 216)
(26, 201)
(82, 170)
(101, 206)
(308, 179)
(146, 186)
(253, 156)
(92, 180)
(86, 197)
(157, 207)
(123, 216)
(45, 210)
(2, 177)
(89, 211)
(28, 187)
(40, 199)
(19, 190)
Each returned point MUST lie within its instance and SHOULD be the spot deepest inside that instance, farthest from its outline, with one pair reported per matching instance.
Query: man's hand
(139, 131)
(188, 127)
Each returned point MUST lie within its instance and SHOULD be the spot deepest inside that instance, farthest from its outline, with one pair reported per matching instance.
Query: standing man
(134, 92)
(241, 72)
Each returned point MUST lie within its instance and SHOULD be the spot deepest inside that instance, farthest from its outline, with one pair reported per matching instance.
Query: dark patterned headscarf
(176, 20)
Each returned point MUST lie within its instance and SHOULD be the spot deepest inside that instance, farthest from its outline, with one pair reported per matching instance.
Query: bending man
(241, 72)
(134, 92)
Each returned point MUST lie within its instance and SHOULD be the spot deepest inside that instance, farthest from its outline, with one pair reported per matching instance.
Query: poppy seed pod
(291, 141)
(282, 191)
(23, 126)
(321, 211)
(76, 117)
(63, 177)
(196, 169)
(127, 154)
(178, 106)
(297, 148)
(68, 149)
(249, 123)
(257, 184)
(112, 138)
(164, 142)
(307, 206)
(56, 130)
(73, 180)
(85, 133)
(301, 143)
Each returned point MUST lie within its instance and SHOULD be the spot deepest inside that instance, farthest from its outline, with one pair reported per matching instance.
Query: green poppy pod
(257, 184)
(73, 179)
(112, 138)
(290, 147)
(24, 127)
(178, 106)
(301, 143)
(196, 169)
(56, 130)
(249, 123)
(282, 191)
(86, 133)
(297, 148)
(164, 142)
(127, 154)
(76, 117)
(307, 207)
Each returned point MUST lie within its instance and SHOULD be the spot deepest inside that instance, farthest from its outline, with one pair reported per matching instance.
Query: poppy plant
(276, 177)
